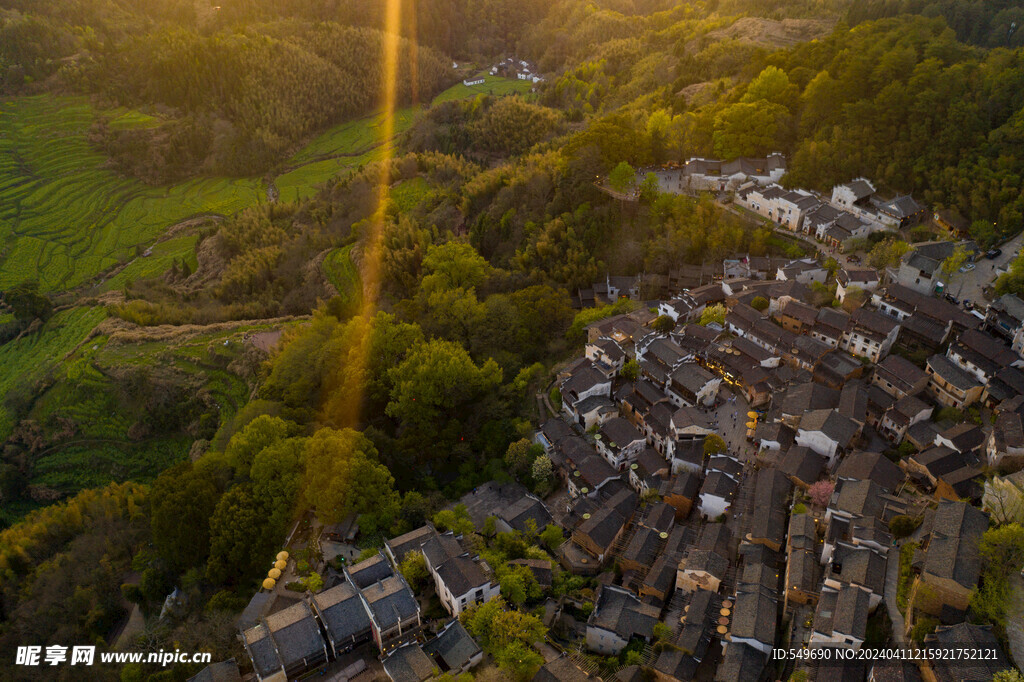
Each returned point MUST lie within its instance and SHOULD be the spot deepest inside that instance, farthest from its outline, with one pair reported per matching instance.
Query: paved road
(969, 285)
(1015, 621)
(892, 579)
(732, 420)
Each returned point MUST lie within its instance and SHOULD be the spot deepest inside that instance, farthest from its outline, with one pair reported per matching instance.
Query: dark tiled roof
(619, 611)
(754, 617)
(342, 613)
(802, 463)
(859, 566)
(370, 570)
(740, 662)
(410, 541)
(602, 527)
(390, 600)
(718, 485)
(453, 645)
(225, 671)
(953, 550)
(844, 612)
(835, 426)
(871, 466)
(408, 663)
(296, 634)
(900, 372)
(959, 637)
(964, 436)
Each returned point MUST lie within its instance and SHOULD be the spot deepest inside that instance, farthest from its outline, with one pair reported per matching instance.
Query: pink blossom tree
(821, 492)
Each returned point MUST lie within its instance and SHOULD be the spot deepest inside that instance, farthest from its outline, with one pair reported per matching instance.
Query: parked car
(967, 267)
(992, 254)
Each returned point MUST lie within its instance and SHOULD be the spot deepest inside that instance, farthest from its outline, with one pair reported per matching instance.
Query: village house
(951, 564)
(1007, 437)
(286, 643)
(836, 368)
(870, 334)
(771, 500)
(754, 618)
(859, 566)
(691, 645)
(691, 384)
(827, 432)
(857, 192)
(903, 414)
(618, 617)
(900, 211)
(587, 382)
(1005, 318)
(951, 385)
(590, 474)
(345, 620)
(619, 442)
(804, 270)
(920, 268)
(952, 474)
(607, 356)
(870, 466)
(841, 618)
(980, 354)
(850, 279)
(830, 326)
(802, 568)
(899, 377)
(782, 207)
(453, 650)
(740, 661)
(599, 531)
(802, 465)
(943, 665)
(407, 663)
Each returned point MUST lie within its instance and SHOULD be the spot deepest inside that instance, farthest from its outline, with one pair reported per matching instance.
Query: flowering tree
(821, 493)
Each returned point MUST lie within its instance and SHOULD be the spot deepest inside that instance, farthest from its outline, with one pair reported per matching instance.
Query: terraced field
(25, 361)
(348, 145)
(342, 273)
(83, 392)
(63, 216)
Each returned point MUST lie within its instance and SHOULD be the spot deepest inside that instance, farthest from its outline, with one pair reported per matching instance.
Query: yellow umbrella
(282, 556)
(274, 574)
(269, 583)
(751, 425)
(752, 414)
(280, 564)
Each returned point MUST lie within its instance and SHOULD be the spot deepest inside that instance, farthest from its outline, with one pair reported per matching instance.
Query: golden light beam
(370, 272)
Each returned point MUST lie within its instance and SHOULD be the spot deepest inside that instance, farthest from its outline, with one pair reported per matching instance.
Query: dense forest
(491, 214)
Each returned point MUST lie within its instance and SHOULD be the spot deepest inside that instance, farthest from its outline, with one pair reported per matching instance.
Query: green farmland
(64, 218)
(492, 85)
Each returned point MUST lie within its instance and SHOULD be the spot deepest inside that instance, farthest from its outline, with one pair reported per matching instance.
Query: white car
(967, 267)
